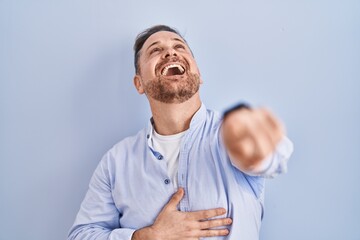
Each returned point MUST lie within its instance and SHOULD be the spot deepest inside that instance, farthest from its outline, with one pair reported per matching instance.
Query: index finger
(205, 214)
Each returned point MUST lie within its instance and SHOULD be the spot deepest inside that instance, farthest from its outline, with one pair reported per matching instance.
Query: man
(191, 173)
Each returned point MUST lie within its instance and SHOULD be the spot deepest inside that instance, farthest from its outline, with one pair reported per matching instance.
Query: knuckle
(216, 223)
(220, 211)
(187, 217)
(188, 227)
(174, 199)
(206, 214)
(204, 225)
(209, 233)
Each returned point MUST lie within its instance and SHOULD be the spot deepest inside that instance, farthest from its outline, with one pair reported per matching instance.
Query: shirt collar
(197, 119)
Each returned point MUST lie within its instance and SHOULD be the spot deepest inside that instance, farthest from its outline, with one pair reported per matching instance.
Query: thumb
(175, 199)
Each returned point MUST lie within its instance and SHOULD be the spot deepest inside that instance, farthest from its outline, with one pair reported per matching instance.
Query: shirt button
(147, 136)
(160, 157)
(167, 181)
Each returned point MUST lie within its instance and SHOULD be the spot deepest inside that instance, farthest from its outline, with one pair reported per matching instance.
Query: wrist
(146, 233)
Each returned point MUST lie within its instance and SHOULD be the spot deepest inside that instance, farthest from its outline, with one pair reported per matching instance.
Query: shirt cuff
(276, 162)
(121, 233)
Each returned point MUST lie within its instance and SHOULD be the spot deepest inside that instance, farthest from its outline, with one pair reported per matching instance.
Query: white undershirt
(169, 147)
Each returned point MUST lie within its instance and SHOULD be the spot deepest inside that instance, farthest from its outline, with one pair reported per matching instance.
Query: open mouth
(173, 70)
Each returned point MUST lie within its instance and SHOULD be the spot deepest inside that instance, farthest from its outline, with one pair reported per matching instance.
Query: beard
(176, 90)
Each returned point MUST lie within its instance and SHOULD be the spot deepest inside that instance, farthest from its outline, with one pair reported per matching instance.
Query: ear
(138, 84)
(201, 81)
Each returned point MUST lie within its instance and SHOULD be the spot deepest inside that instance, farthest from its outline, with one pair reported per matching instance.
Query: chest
(143, 185)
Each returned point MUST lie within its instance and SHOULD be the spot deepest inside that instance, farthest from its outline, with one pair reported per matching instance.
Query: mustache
(160, 65)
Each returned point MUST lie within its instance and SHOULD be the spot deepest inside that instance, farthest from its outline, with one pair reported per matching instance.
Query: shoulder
(213, 118)
(128, 143)
(122, 150)
(212, 114)
(117, 159)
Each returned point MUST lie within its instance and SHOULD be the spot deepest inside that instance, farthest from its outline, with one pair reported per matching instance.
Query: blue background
(66, 96)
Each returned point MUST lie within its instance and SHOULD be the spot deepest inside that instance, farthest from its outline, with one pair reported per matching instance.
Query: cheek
(146, 71)
(145, 65)
(149, 67)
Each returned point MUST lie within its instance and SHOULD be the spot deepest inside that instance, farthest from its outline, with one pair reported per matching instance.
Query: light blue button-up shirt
(131, 185)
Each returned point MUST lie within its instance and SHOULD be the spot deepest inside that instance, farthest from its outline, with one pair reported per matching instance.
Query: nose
(170, 53)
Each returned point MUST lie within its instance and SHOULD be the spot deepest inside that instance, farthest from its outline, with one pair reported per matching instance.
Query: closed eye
(179, 46)
(154, 50)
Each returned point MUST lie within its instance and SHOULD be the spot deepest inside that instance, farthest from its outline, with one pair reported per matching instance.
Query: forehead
(160, 37)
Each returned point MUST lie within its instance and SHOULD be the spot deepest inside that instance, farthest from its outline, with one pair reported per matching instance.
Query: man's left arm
(256, 142)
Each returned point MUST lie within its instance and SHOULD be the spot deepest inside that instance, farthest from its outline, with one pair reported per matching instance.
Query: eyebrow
(178, 39)
(175, 39)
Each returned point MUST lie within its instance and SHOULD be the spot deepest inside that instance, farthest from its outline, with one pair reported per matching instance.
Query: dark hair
(144, 35)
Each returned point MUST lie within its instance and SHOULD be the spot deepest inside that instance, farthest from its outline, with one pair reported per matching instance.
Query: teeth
(164, 72)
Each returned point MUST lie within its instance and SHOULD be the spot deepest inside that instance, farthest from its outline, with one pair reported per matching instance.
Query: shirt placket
(160, 159)
(183, 173)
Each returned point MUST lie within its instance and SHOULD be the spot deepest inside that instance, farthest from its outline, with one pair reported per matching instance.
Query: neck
(172, 118)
